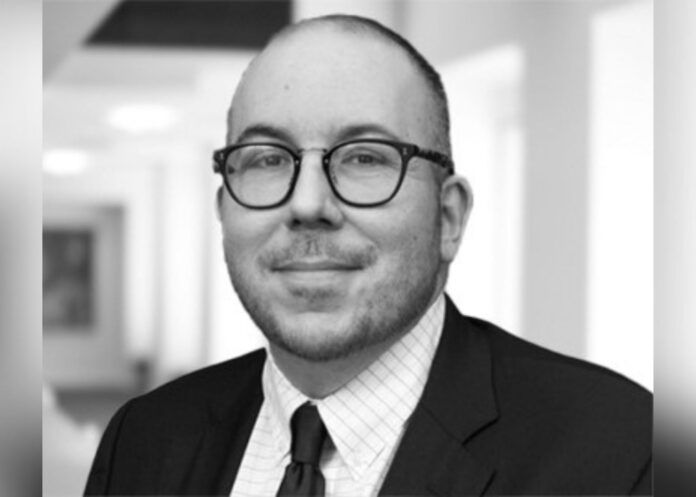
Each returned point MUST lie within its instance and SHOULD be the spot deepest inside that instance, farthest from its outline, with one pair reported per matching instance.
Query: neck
(317, 380)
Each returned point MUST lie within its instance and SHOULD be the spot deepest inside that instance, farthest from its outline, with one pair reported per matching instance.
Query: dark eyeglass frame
(407, 151)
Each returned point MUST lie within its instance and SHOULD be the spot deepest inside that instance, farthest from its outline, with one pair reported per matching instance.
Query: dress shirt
(365, 418)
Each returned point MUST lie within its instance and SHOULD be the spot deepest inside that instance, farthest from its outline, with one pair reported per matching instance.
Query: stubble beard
(396, 306)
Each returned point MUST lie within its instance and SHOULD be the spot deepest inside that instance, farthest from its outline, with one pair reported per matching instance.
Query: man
(340, 215)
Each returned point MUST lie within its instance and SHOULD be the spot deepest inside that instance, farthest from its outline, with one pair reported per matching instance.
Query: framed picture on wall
(83, 311)
(68, 279)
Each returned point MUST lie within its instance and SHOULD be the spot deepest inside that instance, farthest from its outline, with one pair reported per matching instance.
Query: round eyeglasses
(361, 173)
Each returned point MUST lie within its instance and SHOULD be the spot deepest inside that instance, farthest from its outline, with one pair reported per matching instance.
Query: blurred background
(552, 109)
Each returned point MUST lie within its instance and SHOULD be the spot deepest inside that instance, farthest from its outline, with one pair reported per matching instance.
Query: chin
(316, 337)
(323, 345)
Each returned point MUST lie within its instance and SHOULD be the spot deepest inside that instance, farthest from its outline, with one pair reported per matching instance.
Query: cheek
(243, 236)
(412, 239)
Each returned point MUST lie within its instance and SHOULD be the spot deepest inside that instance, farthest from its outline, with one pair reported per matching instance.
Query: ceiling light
(65, 161)
(142, 118)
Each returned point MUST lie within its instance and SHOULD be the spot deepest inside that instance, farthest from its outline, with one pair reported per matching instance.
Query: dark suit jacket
(498, 416)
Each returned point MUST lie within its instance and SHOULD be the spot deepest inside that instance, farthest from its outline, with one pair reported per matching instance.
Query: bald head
(322, 42)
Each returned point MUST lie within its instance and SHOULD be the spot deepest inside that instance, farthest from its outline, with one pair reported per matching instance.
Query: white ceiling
(196, 85)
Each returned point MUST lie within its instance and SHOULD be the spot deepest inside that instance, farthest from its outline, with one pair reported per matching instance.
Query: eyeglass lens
(360, 172)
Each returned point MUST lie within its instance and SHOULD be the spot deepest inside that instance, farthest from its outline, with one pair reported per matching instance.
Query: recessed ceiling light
(142, 118)
(65, 161)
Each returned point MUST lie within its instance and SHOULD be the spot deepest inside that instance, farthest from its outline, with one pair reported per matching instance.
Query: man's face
(320, 278)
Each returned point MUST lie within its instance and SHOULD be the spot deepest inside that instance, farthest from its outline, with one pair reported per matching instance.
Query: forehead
(320, 80)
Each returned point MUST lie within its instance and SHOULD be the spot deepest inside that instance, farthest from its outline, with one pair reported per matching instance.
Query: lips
(315, 265)
(319, 280)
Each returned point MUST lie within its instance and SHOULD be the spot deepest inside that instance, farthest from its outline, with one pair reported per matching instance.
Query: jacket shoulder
(166, 427)
(227, 376)
(521, 362)
(565, 412)
(197, 397)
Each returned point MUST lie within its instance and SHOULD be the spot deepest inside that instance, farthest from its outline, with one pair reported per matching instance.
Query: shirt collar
(369, 412)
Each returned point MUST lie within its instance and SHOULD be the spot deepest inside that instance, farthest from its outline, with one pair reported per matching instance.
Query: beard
(389, 308)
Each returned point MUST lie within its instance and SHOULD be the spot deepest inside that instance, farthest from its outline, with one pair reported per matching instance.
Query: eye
(362, 157)
(365, 158)
(272, 159)
(261, 158)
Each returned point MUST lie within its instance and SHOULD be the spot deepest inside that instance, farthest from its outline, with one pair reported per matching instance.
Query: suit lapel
(457, 403)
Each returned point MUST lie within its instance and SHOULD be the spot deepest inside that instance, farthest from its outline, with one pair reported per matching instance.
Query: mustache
(318, 247)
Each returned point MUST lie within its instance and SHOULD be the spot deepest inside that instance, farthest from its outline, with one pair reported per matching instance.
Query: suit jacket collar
(458, 402)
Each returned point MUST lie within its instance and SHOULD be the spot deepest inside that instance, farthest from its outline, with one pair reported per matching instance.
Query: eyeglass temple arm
(438, 158)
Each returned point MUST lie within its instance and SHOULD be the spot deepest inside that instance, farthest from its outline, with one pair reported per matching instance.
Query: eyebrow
(264, 131)
(348, 132)
(368, 129)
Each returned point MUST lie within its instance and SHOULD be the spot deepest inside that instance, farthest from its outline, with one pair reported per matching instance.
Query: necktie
(302, 475)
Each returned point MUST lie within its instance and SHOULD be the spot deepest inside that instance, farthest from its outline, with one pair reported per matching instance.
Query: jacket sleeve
(98, 480)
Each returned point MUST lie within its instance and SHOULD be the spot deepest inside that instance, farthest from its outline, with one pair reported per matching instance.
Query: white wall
(485, 97)
(620, 204)
(565, 301)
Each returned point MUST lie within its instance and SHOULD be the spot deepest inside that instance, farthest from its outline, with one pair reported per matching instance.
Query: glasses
(361, 173)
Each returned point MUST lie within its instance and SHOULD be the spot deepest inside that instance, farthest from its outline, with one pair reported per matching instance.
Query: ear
(218, 203)
(456, 201)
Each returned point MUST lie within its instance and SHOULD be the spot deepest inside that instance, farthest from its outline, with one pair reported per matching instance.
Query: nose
(313, 203)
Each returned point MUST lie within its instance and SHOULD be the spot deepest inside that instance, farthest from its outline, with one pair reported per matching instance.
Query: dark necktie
(302, 475)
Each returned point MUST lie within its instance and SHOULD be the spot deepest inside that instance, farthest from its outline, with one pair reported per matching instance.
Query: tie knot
(308, 435)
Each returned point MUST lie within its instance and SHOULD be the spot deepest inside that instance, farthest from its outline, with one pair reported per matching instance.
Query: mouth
(322, 281)
(315, 266)
(316, 273)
